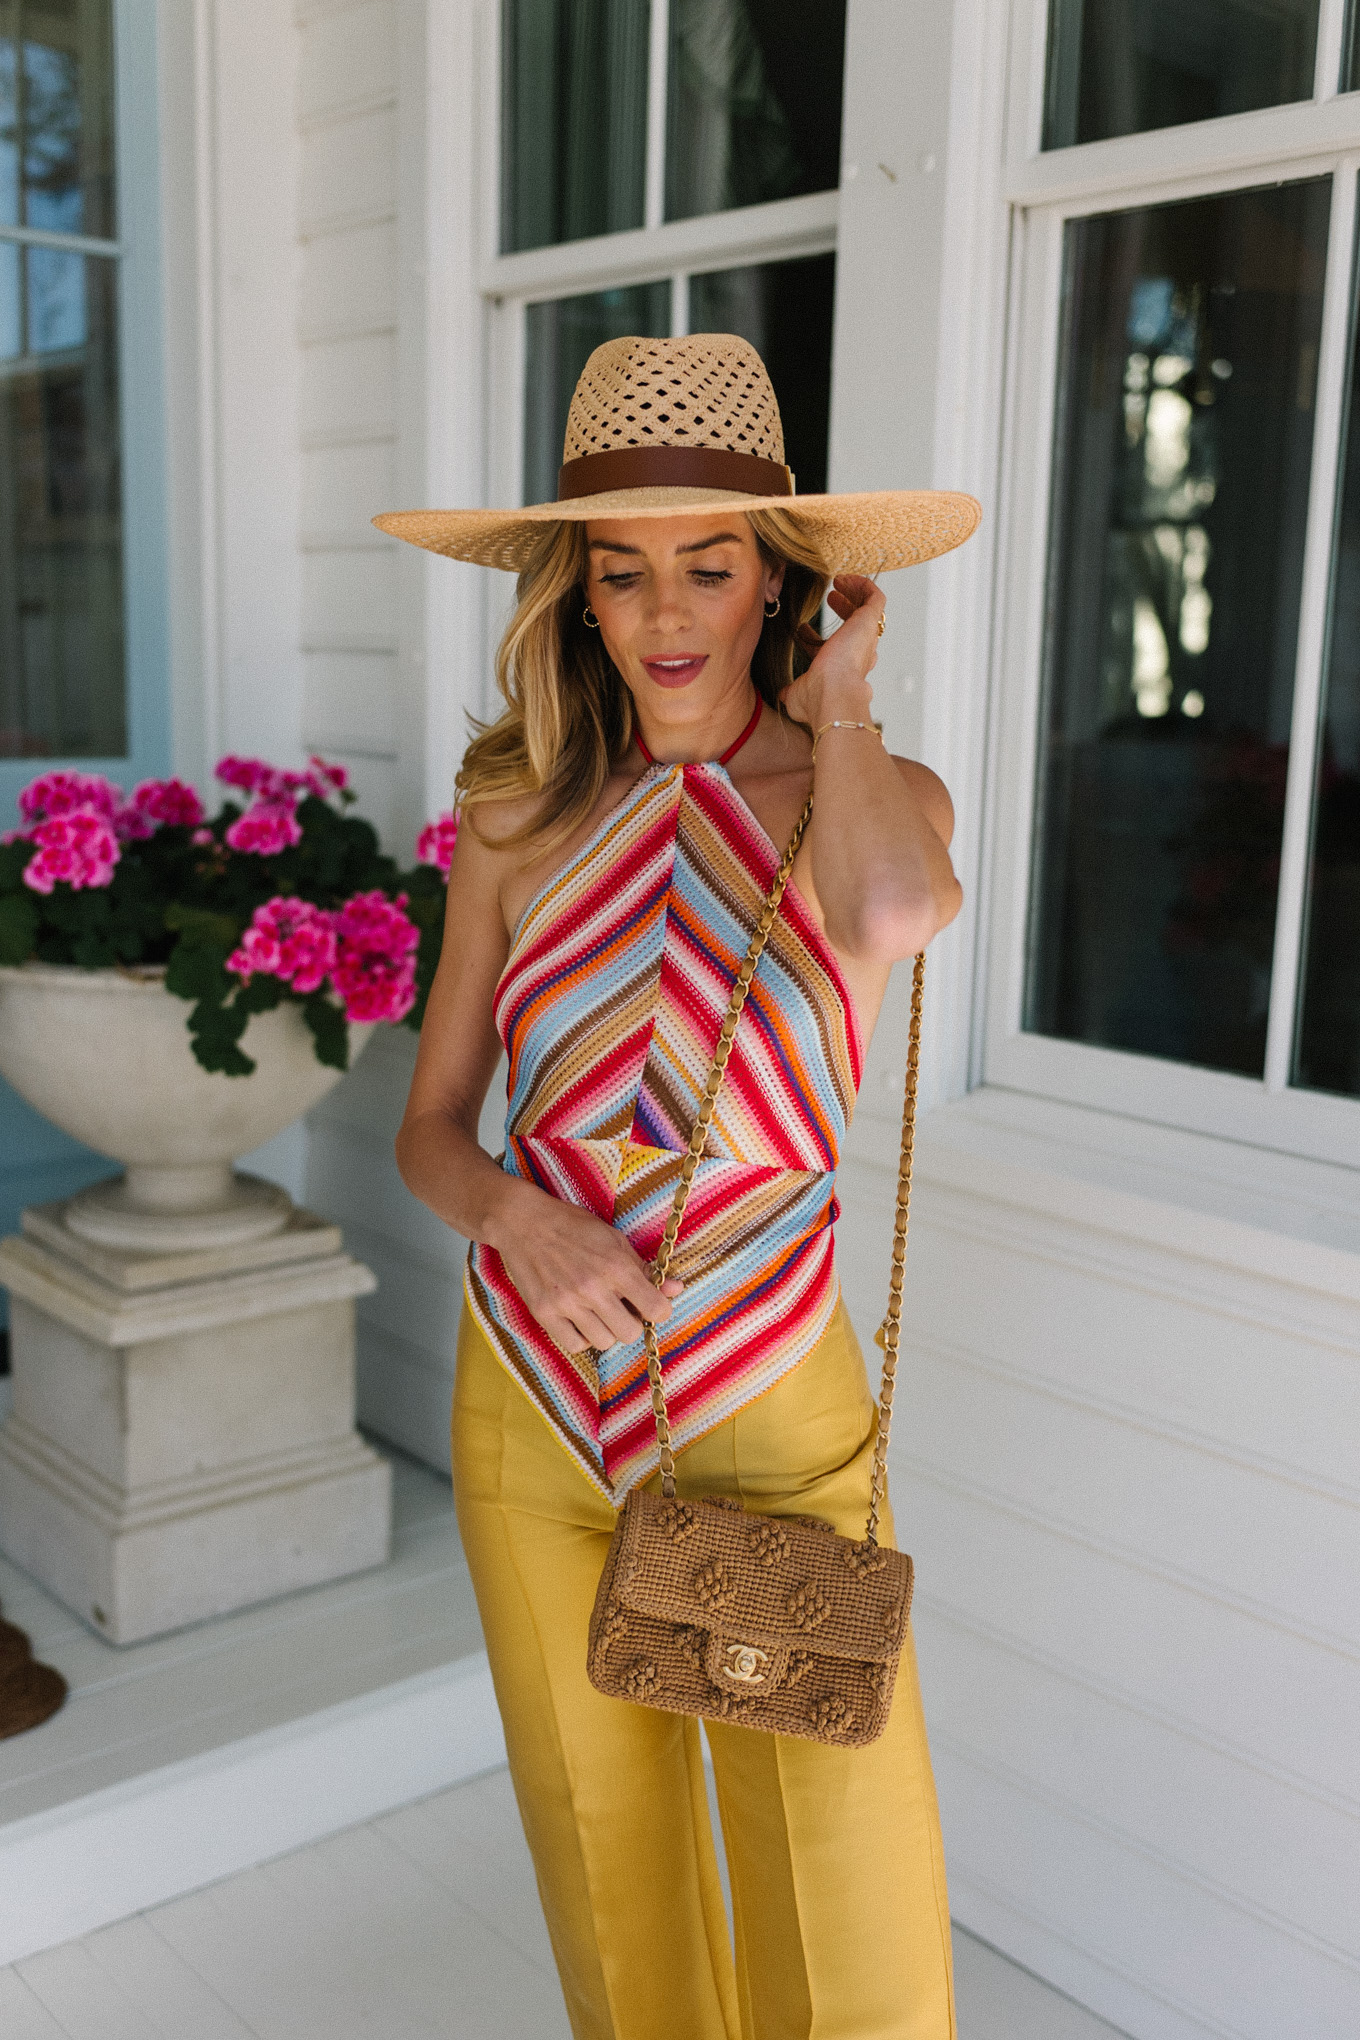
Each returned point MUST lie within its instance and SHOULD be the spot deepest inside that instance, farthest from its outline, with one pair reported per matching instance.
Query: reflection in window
(56, 116)
(784, 309)
(753, 102)
(61, 565)
(1119, 67)
(1185, 426)
(574, 117)
(560, 337)
(1327, 1052)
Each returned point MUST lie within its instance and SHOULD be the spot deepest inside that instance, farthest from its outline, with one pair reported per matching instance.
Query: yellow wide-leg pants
(837, 1873)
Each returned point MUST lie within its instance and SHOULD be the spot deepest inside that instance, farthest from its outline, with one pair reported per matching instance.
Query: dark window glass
(574, 119)
(560, 337)
(56, 116)
(1327, 1055)
(1185, 427)
(62, 690)
(1118, 67)
(753, 102)
(784, 309)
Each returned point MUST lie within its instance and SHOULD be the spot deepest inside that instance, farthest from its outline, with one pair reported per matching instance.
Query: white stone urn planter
(106, 1056)
(181, 1441)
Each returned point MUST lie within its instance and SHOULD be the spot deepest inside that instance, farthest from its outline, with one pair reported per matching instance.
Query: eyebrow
(699, 544)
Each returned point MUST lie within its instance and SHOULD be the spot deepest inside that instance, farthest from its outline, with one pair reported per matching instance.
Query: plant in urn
(174, 990)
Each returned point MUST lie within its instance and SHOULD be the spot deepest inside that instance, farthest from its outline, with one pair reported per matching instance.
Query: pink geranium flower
(132, 826)
(266, 827)
(62, 793)
(251, 775)
(289, 939)
(270, 782)
(375, 965)
(434, 844)
(77, 848)
(159, 803)
(324, 779)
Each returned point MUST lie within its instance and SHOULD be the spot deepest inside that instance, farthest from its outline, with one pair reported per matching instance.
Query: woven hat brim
(873, 532)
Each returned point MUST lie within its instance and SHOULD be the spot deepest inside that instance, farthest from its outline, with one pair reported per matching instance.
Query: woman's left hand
(837, 681)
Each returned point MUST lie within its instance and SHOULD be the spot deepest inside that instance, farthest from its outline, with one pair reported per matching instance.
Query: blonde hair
(568, 716)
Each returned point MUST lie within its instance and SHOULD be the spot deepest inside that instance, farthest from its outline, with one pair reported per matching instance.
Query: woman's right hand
(580, 1279)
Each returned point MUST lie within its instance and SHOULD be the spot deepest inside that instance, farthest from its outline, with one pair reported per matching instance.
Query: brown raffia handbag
(775, 1623)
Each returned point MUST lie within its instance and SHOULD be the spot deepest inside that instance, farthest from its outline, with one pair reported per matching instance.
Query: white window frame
(1045, 190)
(658, 250)
(137, 250)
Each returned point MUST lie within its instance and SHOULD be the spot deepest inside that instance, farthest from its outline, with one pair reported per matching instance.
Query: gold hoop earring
(589, 618)
(772, 610)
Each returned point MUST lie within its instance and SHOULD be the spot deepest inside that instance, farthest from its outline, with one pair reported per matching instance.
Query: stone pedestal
(181, 1439)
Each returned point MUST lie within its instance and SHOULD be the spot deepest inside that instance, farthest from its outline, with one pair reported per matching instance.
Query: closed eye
(707, 577)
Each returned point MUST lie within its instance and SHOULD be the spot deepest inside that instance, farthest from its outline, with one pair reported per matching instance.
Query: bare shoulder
(497, 831)
(490, 859)
(932, 793)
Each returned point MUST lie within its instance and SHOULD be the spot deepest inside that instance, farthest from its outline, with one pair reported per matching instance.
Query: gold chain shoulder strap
(699, 1135)
(889, 1331)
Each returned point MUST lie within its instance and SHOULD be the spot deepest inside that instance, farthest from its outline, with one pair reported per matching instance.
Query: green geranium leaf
(18, 928)
(196, 972)
(199, 925)
(260, 995)
(330, 1031)
(93, 950)
(224, 1059)
(13, 858)
(216, 1031)
(426, 909)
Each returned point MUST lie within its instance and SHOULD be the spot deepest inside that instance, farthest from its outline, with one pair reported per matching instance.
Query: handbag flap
(770, 1581)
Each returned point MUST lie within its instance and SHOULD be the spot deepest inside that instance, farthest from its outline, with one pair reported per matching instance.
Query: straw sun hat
(665, 427)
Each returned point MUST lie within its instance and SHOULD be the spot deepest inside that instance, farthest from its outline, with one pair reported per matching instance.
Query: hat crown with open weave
(687, 428)
(708, 389)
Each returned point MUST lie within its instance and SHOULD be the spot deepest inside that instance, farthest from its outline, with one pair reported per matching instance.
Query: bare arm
(578, 1276)
(882, 825)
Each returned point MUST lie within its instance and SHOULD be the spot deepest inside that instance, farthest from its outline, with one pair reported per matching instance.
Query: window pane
(560, 338)
(574, 119)
(1327, 1052)
(784, 309)
(1185, 426)
(56, 115)
(1118, 67)
(753, 102)
(61, 565)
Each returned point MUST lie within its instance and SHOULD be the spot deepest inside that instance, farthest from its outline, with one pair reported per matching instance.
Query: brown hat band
(672, 467)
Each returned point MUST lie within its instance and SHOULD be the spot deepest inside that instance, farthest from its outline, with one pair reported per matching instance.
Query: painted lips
(676, 669)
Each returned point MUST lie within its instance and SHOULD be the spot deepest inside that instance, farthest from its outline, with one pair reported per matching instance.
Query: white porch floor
(422, 1923)
(177, 1765)
(134, 1710)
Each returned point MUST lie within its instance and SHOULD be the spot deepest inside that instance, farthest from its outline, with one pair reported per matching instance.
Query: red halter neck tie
(731, 750)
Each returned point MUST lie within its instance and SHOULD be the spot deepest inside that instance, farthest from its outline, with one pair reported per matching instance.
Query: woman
(669, 705)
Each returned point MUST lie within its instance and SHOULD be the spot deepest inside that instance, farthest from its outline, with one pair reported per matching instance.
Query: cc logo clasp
(745, 1663)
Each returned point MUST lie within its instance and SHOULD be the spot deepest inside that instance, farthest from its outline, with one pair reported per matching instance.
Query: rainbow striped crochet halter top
(619, 975)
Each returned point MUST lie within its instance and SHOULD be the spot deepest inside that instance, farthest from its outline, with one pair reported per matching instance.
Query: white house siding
(347, 323)
(390, 339)
(1124, 1463)
(349, 327)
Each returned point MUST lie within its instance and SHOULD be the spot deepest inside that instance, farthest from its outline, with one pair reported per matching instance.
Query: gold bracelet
(817, 735)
